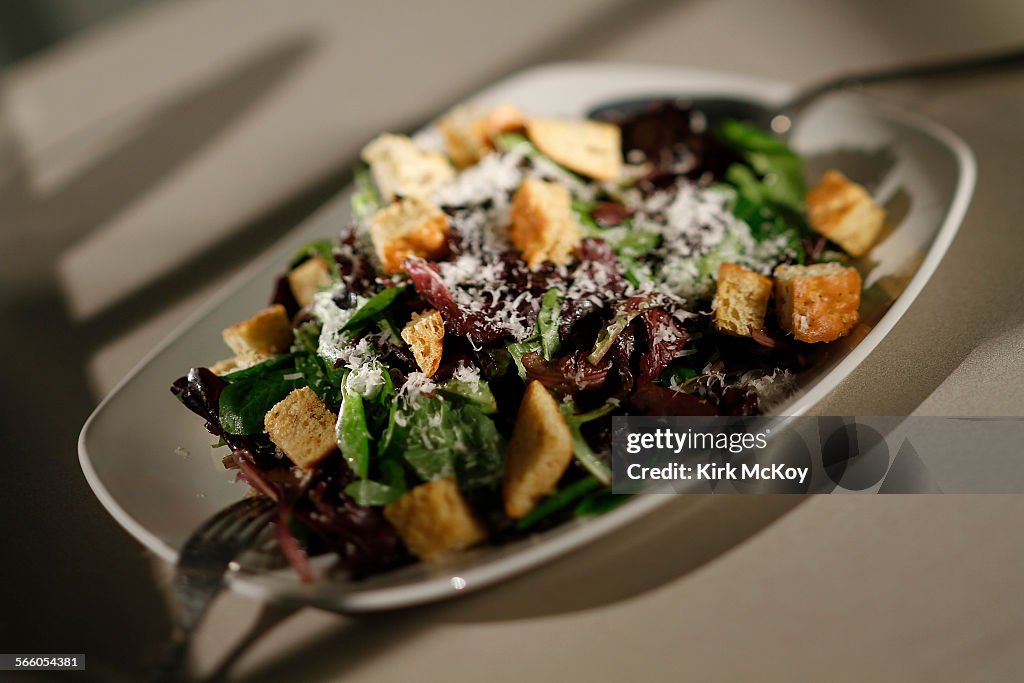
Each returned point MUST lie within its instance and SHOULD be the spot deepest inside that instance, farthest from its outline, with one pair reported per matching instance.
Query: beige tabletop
(143, 163)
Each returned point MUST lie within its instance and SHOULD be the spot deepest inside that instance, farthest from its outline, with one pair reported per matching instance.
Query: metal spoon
(780, 118)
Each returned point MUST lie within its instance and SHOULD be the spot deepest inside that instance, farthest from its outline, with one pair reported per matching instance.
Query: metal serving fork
(202, 564)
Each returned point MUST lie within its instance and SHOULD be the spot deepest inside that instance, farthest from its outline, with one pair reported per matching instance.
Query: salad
(444, 372)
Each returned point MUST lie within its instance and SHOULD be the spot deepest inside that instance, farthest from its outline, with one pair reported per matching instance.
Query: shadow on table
(60, 591)
(657, 550)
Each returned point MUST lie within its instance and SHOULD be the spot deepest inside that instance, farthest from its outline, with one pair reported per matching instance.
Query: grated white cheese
(699, 233)
(476, 286)
(467, 373)
(491, 179)
(333, 343)
(417, 385)
(366, 380)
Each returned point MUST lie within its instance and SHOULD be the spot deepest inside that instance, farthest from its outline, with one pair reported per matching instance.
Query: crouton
(741, 300)
(844, 212)
(308, 278)
(590, 148)
(223, 367)
(538, 453)
(469, 134)
(817, 303)
(267, 333)
(543, 228)
(401, 169)
(412, 226)
(434, 519)
(425, 334)
(302, 427)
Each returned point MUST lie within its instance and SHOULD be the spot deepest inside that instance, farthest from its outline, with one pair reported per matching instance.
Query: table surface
(144, 162)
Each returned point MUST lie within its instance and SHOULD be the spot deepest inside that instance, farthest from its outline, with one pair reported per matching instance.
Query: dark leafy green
(769, 186)
(244, 402)
(321, 376)
(261, 368)
(558, 501)
(581, 450)
(366, 492)
(519, 349)
(547, 322)
(440, 438)
(352, 433)
(779, 167)
(477, 393)
(376, 305)
(318, 248)
(599, 502)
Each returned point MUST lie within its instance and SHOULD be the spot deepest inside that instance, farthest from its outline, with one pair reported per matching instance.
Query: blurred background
(151, 148)
(30, 26)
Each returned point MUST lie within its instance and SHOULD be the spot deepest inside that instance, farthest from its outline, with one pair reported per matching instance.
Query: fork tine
(253, 526)
(234, 525)
(203, 560)
(220, 524)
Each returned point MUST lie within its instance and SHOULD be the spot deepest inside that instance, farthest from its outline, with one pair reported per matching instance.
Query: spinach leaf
(430, 439)
(366, 492)
(322, 248)
(245, 402)
(352, 434)
(480, 452)
(780, 168)
(261, 368)
(754, 205)
(321, 375)
(376, 305)
(477, 393)
(442, 439)
(748, 138)
(557, 501)
(599, 502)
(547, 322)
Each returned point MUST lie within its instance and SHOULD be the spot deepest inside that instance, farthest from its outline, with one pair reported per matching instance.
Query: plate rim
(570, 536)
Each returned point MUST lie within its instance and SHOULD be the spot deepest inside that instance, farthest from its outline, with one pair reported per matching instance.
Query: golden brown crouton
(817, 303)
(538, 453)
(223, 367)
(434, 519)
(741, 300)
(308, 278)
(425, 334)
(542, 224)
(412, 226)
(469, 133)
(267, 333)
(302, 427)
(590, 148)
(400, 168)
(844, 212)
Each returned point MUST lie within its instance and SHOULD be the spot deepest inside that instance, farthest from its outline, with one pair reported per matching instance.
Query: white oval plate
(129, 448)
